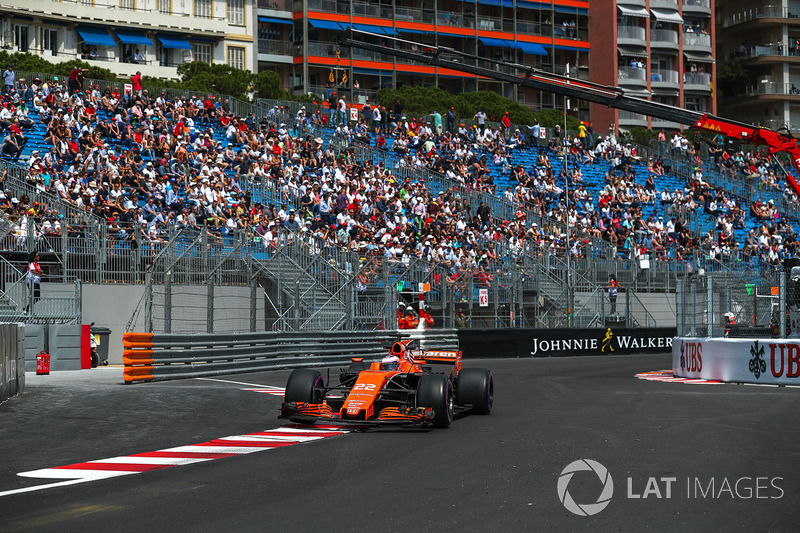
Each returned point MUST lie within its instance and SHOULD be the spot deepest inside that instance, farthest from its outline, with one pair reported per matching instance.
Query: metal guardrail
(150, 357)
(12, 360)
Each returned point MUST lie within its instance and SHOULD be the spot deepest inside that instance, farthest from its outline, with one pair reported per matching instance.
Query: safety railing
(149, 357)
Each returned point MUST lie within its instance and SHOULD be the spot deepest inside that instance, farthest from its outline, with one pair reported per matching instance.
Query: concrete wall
(111, 306)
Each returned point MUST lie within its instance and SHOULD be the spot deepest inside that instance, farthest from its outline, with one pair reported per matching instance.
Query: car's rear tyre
(304, 385)
(436, 391)
(475, 387)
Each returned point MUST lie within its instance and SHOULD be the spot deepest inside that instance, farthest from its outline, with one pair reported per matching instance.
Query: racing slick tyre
(304, 385)
(436, 391)
(474, 386)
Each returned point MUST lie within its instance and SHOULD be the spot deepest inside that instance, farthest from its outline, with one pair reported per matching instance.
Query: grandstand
(196, 190)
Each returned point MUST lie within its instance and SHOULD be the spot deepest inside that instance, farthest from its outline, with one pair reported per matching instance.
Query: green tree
(732, 78)
(267, 84)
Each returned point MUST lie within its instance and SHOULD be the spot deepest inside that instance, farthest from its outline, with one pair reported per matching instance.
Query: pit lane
(484, 473)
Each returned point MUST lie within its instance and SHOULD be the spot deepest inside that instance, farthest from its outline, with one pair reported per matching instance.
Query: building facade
(152, 36)
(297, 39)
(663, 51)
(763, 39)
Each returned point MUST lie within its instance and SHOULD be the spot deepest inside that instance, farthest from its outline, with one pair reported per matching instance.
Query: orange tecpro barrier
(138, 356)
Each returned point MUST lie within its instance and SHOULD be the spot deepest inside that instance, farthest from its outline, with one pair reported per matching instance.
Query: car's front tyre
(436, 391)
(304, 385)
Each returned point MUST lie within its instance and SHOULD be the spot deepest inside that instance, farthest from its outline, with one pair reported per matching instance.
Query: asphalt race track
(485, 473)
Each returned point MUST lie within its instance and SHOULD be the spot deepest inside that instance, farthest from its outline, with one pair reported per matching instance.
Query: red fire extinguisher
(42, 363)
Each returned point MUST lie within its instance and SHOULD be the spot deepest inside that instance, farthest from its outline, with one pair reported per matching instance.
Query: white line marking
(130, 460)
(238, 383)
(42, 487)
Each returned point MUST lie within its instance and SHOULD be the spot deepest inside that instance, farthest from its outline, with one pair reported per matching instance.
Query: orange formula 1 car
(403, 388)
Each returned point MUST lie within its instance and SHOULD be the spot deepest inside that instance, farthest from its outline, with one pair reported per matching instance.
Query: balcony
(699, 42)
(627, 75)
(697, 6)
(533, 28)
(773, 88)
(408, 14)
(630, 35)
(630, 119)
(661, 124)
(697, 81)
(275, 5)
(367, 9)
(664, 39)
(664, 79)
(495, 24)
(280, 50)
(329, 6)
(668, 4)
(765, 13)
(768, 50)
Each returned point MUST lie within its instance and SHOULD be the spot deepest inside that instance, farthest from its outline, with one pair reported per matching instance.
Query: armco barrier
(12, 360)
(149, 357)
(753, 360)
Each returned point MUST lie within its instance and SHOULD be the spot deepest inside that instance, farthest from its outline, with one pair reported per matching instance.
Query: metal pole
(709, 307)
(566, 183)
(297, 304)
(210, 305)
(253, 299)
(782, 305)
(168, 302)
(443, 296)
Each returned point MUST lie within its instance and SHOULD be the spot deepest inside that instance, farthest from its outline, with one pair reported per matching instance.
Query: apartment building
(764, 38)
(662, 50)
(297, 39)
(152, 36)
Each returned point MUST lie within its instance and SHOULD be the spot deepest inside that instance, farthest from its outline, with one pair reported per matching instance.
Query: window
(21, 38)
(236, 57)
(87, 2)
(165, 6)
(202, 8)
(201, 52)
(50, 41)
(236, 12)
(695, 103)
(127, 4)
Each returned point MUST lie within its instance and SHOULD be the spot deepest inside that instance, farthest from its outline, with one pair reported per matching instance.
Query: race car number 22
(364, 386)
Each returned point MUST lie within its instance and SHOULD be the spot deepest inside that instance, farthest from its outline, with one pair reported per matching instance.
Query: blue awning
(493, 42)
(176, 43)
(133, 37)
(373, 72)
(275, 21)
(325, 24)
(407, 30)
(571, 10)
(389, 31)
(96, 36)
(532, 5)
(533, 49)
(368, 28)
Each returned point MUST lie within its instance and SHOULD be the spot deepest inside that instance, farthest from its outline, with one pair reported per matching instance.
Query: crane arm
(607, 95)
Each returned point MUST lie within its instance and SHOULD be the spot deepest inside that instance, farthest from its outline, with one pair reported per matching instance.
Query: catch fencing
(299, 282)
(149, 357)
(718, 305)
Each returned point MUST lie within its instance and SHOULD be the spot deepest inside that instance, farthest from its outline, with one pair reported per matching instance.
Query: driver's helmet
(730, 317)
(390, 362)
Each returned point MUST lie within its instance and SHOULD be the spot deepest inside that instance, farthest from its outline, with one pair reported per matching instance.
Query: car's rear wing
(451, 357)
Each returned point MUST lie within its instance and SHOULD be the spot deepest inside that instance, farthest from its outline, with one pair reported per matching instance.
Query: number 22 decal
(364, 386)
